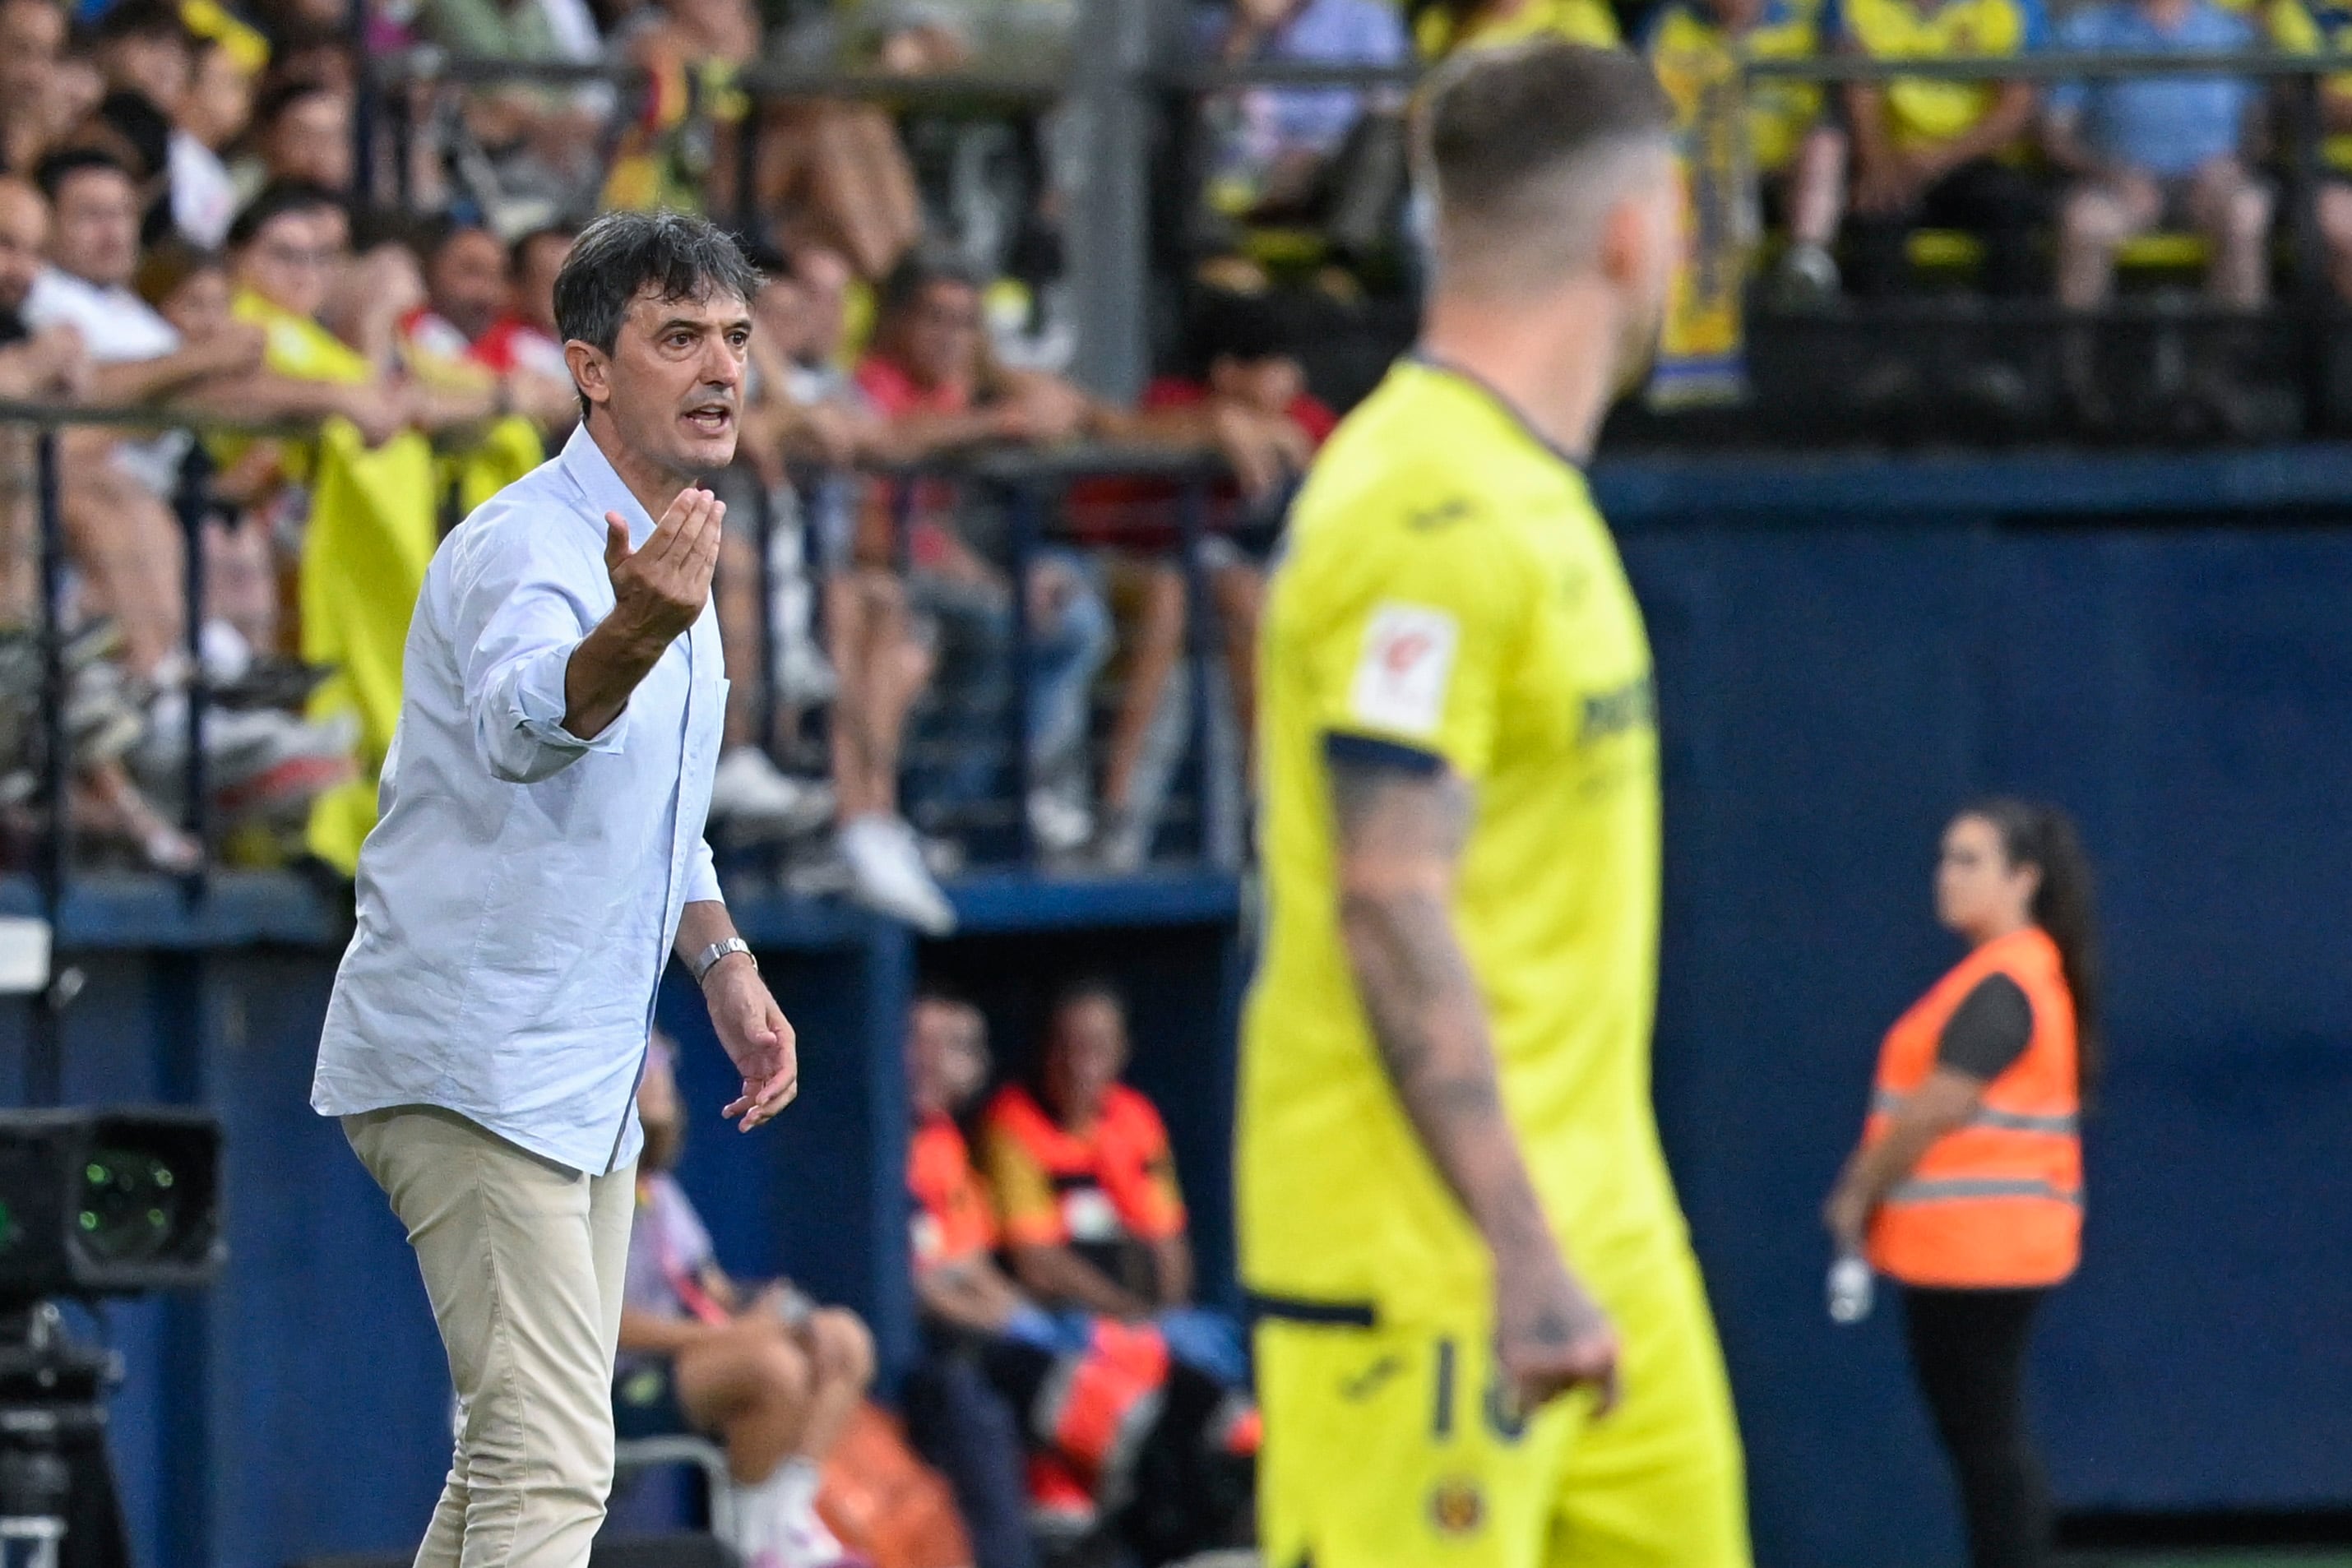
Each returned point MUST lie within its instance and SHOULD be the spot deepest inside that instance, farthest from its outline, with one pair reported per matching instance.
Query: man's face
(311, 140)
(291, 262)
(24, 235)
(673, 384)
(823, 278)
(97, 237)
(219, 99)
(941, 334)
(31, 33)
(947, 1056)
(542, 258)
(152, 65)
(1087, 1053)
(199, 307)
(1735, 15)
(467, 282)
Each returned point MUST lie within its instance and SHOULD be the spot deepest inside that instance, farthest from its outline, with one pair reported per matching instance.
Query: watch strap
(710, 957)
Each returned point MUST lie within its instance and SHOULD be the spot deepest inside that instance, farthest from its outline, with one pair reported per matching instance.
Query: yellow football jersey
(1449, 591)
(1920, 111)
(1593, 21)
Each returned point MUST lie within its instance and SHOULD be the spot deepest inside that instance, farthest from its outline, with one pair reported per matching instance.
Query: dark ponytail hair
(2064, 906)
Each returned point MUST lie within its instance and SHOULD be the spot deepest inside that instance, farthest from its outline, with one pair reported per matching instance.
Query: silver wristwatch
(709, 956)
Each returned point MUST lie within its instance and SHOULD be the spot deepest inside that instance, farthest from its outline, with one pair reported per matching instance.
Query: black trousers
(2002, 205)
(1968, 1348)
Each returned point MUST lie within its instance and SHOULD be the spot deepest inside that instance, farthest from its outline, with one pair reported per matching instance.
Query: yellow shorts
(1385, 1446)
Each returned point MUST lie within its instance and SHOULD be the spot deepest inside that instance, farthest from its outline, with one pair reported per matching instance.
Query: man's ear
(589, 365)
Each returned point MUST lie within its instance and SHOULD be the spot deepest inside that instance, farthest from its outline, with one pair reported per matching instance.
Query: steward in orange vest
(1967, 1185)
(1997, 1201)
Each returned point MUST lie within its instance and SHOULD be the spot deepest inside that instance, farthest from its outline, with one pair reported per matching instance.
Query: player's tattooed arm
(1401, 830)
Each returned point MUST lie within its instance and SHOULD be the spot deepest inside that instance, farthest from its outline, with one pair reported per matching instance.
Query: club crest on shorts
(1456, 1506)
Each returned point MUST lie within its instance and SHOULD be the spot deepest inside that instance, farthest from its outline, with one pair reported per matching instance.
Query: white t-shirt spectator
(117, 326)
(203, 197)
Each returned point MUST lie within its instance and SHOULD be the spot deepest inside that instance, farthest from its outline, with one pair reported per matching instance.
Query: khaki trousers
(524, 1259)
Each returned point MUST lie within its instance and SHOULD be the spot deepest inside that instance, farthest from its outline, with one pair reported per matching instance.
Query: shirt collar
(585, 463)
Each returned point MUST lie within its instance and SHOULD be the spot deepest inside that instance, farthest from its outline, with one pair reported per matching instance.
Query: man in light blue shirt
(539, 858)
(2147, 150)
(1277, 140)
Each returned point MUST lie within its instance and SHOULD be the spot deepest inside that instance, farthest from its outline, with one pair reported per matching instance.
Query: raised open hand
(659, 590)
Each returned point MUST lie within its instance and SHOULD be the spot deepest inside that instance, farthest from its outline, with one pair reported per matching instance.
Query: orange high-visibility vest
(1997, 1201)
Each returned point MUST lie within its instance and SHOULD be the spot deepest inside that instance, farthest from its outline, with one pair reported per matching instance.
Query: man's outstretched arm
(1400, 820)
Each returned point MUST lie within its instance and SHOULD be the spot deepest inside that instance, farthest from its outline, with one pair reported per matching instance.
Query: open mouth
(710, 418)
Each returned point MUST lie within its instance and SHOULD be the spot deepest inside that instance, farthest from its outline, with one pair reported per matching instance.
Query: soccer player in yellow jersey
(1483, 1340)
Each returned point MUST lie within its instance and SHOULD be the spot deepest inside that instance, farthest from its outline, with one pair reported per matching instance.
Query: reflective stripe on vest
(1962, 1189)
(1886, 1105)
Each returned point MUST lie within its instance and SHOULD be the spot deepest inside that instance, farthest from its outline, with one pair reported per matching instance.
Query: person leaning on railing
(932, 375)
(101, 721)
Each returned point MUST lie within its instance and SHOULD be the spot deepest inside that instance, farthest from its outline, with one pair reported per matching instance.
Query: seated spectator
(828, 172)
(33, 110)
(1940, 154)
(931, 376)
(211, 114)
(468, 293)
(808, 424)
(767, 1373)
(544, 140)
(524, 335)
(1798, 157)
(1244, 382)
(2305, 27)
(302, 134)
(966, 1425)
(1281, 141)
(2146, 151)
(117, 490)
(1085, 1188)
(101, 720)
(1447, 27)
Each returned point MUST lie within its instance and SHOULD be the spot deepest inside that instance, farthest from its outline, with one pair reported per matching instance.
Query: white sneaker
(1060, 825)
(752, 795)
(807, 1543)
(886, 874)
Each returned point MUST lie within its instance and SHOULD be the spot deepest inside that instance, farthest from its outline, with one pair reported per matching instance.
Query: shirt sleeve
(1163, 1196)
(516, 625)
(1413, 673)
(702, 875)
(1989, 1031)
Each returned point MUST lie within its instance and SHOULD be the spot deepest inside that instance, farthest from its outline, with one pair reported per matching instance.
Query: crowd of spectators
(185, 223)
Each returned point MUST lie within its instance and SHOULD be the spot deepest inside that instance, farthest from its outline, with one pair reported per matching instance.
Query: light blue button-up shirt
(520, 896)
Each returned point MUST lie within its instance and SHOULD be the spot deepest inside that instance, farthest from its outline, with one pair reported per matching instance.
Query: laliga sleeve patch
(1407, 662)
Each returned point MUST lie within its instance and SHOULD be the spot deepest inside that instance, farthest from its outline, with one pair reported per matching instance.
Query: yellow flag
(1701, 352)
